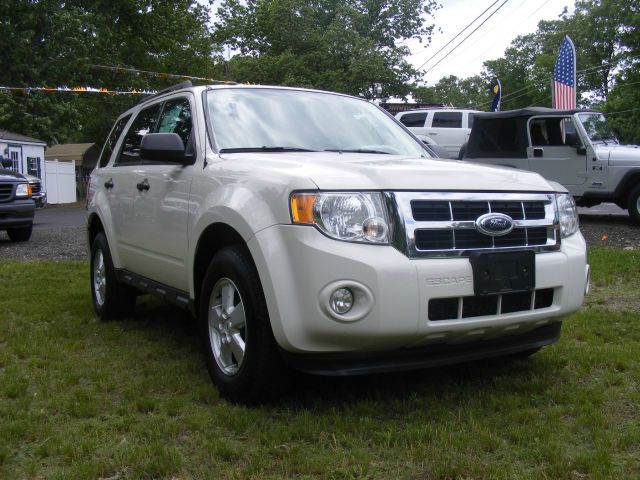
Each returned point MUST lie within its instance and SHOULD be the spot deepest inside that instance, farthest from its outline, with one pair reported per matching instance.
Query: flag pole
(553, 93)
(575, 68)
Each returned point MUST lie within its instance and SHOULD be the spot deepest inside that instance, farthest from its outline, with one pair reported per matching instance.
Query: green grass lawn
(132, 399)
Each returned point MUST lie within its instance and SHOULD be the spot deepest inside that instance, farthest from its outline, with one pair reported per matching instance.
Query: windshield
(596, 127)
(270, 120)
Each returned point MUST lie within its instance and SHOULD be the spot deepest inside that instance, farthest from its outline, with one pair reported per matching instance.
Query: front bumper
(40, 199)
(299, 267)
(17, 214)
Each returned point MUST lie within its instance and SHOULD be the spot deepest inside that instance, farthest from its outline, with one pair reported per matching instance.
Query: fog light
(341, 301)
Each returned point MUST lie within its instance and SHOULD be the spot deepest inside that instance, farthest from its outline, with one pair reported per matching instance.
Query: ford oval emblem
(494, 224)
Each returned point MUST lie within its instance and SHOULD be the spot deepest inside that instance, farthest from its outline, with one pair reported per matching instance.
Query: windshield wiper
(356, 150)
(265, 149)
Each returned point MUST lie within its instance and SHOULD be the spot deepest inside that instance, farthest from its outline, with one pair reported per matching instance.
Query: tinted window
(176, 118)
(112, 140)
(470, 120)
(413, 119)
(144, 123)
(447, 120)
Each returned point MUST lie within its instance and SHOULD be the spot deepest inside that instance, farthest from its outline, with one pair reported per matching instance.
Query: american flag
(564, 77)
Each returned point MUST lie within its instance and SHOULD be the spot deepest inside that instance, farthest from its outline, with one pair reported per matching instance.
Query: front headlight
(568, 214)
(349, 216)
(23, 190)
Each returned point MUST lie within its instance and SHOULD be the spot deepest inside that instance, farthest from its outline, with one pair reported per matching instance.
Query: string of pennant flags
(104, 90)
(77, 89)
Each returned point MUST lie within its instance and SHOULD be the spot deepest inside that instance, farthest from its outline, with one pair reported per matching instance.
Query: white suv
(308, 230)
(448, 128)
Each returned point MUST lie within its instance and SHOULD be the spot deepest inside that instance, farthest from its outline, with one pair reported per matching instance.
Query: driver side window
(144, 123)
(176, 118)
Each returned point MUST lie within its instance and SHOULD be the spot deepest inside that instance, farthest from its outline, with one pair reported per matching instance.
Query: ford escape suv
(310, 230)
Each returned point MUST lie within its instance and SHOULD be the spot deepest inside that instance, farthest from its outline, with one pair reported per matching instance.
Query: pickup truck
(573, 147)
(447, 127)
(309, 230)
(16, 206)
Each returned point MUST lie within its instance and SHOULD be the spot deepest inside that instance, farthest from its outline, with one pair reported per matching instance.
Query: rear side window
(413, 119)
(176, 118)
(447, 120)
(144, 123)
(470, 120)
(112, 139)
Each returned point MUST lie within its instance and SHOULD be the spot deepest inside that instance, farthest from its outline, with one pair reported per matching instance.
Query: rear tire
(20, 234)
(240, 350)
(633, 204)
(111, 299)
(463, 150)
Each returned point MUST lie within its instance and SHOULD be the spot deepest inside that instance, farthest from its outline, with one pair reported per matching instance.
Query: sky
(516, 17)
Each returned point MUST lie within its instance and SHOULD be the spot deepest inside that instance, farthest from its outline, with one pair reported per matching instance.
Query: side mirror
(6, 162)
(581, 150)
(162, 147)
(571, 139)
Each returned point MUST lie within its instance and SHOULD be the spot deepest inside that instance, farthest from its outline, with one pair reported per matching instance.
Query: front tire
(240, 351)
(633, 204)
(111, 299)
(20, 234)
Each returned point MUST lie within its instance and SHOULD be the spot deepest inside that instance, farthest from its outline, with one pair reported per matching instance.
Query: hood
(357, 171)
(10, 176)
(32, 178)
(620, 155)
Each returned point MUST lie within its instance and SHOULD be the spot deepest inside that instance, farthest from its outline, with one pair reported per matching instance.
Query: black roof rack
(179, 86)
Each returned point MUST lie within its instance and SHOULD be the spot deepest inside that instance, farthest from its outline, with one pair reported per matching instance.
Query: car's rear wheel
(633, 204)
(20, 234)
(111, 299)
(240, 351)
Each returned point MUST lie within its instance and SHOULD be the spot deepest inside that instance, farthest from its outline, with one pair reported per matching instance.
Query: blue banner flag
(496, 89)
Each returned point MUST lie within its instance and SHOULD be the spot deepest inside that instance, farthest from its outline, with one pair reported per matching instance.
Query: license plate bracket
(503, 272)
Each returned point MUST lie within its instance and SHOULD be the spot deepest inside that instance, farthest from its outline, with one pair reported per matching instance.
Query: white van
(448, 128)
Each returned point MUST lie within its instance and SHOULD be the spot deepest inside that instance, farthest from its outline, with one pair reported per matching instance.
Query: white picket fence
(60, 181)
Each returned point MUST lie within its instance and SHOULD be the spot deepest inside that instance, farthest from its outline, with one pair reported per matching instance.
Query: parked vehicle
(16, 207)
(576, 148)
(446, 127)
(308, 230)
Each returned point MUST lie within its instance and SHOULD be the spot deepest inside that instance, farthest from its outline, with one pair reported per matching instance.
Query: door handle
(143, 185)
(108, 184)
(538, 152)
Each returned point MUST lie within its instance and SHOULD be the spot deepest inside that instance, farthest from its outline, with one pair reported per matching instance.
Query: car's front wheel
(111, 299)
(240, 350)
(20, 234)
(633, 204)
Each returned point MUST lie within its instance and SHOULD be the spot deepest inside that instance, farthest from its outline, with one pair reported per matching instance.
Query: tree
(607, 41)
(471, 92)
(346, 46)
(55, 43)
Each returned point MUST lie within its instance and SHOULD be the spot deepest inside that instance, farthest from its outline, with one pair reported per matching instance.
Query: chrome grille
(444, 223)
(6, 191)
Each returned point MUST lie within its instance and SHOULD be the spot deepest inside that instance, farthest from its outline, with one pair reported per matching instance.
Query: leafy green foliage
(607, 40)
(54, 43)
(345, 46)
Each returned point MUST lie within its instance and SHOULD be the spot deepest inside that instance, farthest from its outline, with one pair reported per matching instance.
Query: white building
(26, 153)
(28, 157)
